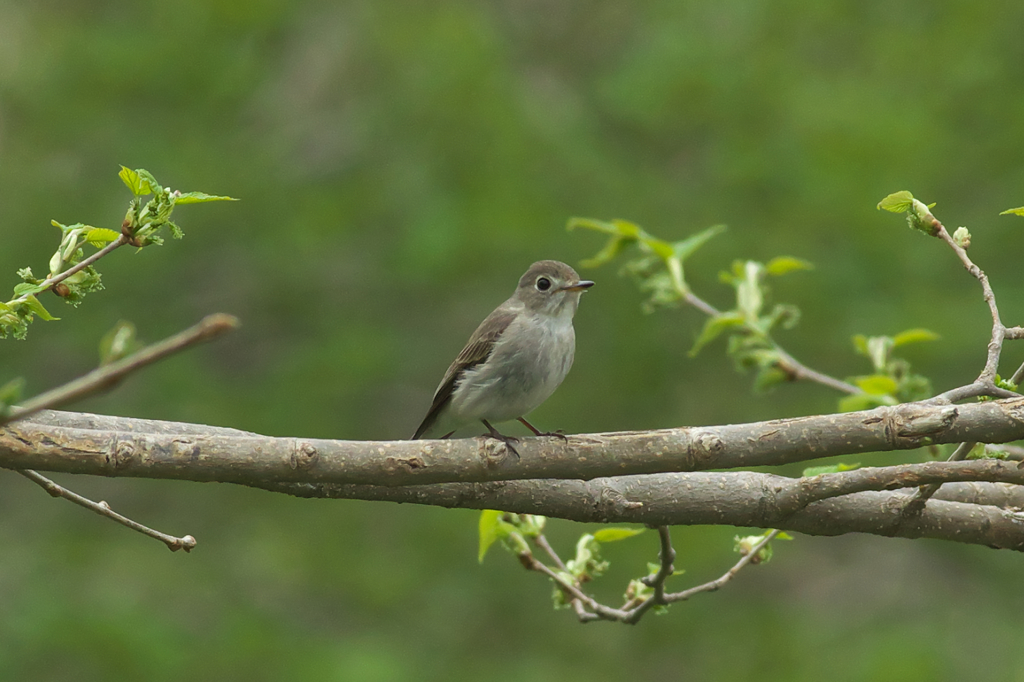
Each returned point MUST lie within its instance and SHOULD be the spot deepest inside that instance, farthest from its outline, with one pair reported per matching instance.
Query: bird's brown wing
(477, 350)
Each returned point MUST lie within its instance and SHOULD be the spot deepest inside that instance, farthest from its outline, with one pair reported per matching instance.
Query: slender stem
(80, 265)
(727, 576)
(103, 509)
(543, 543)
(916, 504)
(986, 379)
(104, 377)
(793, 367)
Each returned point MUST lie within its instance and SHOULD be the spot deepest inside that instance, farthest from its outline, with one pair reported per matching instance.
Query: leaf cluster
(71, 278)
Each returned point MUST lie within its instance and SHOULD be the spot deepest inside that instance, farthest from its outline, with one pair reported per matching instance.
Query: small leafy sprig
(71, 274)
(892, 382)
(659, 271)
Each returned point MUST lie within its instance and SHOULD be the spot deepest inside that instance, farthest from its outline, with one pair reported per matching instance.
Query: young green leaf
(877, 384)
(36, 307)
(782, 265)
(864, 401)
(100, 236)
(10, 393)
(713, 327)
(490, 529)
(199, 198)
(26, 288)
(829, 469)
(913, 336)
(897, 202)
(135, 182)
(616, 534)
(1014, 211)
(685, 248)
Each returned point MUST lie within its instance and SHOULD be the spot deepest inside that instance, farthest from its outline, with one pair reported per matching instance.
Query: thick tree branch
(709, 498)
(206, 454)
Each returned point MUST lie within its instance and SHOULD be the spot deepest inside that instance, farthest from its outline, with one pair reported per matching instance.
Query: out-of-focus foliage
(400, 164)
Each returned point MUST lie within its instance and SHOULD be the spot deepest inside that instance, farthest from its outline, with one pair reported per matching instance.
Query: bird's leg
(557, 434)
(507, 440)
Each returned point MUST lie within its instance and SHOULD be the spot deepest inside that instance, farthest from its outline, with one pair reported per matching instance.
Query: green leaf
(829, 469)
(135, 182)
(864, 401)
(148, 179)
(98, 236)
(36, 307)
(10, 393)
(913, 336)
(490, 527)
(198, 198)
(26, 288)
(685, 248)
(1014, 211)
(877, 384)
(897, 202)
(713, 327)
(768, 377)
(662, 248)
(782, 265)
(616, 534)
(118, 342)
(612, 248)
(596, 225)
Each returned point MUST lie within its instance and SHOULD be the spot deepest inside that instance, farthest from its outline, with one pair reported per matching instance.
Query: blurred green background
(400, 164)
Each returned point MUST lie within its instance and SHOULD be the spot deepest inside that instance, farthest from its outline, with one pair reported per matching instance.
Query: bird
(514, 360)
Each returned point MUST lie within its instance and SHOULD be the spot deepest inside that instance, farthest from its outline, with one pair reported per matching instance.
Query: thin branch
(667, 557)
(103, 378)
(107, 376)
(986, 379)
(597, 609)
(543, 543)
(84, 263)
(800, 371)
(103, 509)
(995, 345)
(787, 363)
(749, 557)
(915, 505)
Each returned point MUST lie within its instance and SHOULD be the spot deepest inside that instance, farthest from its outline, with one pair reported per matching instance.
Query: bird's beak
(582, 285)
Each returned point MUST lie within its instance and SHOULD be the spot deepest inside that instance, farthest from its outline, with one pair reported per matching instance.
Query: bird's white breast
(527, 364)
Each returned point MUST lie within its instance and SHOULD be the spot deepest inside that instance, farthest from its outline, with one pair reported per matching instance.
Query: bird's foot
(540, 434)
(507, 440)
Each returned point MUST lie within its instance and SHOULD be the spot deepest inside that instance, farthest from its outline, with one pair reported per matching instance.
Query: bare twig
(543, 543)
(667, 556)
(916, 504)
(104, 377)
(716, 584)
(103, 509)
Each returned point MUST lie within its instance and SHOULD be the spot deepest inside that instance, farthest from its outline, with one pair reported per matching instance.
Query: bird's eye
(543, 284)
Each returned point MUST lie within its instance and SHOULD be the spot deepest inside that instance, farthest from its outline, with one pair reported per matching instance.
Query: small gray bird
(514, 360)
